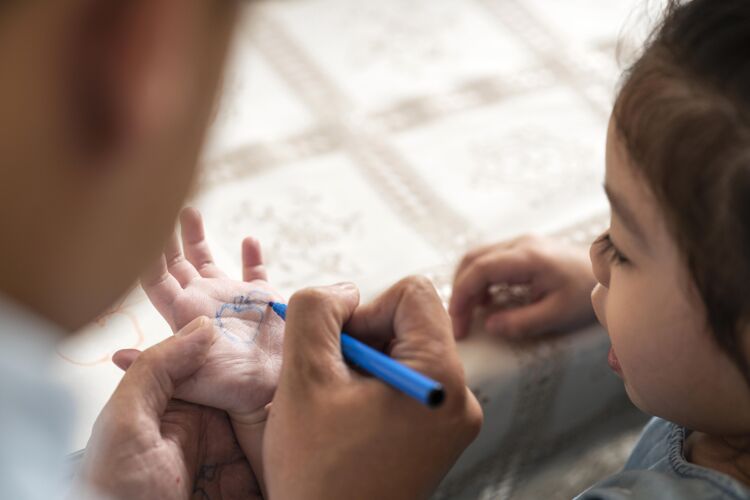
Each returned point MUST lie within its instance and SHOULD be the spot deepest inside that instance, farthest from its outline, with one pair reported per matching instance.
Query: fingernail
(193, 326)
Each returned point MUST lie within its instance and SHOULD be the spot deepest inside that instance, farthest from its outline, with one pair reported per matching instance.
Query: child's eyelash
(606, 246)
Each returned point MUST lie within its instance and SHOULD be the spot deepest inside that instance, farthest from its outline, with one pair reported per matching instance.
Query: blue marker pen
(401, 377)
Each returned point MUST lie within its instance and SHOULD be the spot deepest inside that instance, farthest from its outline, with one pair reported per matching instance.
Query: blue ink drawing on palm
(253, 302)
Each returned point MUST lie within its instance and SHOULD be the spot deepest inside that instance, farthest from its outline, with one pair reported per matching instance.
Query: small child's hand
(242, 368)
(559, 278)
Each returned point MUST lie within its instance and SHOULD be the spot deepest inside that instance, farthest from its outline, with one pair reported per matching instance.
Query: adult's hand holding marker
(399, 376)
(333, 433)
(558, 275)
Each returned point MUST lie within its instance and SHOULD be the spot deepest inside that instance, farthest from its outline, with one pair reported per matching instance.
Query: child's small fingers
(470, 257)
(461, 324)
(472, 284)
(494, 248)
(161, 287)
(177, 265)
(252, 261)
(528, 320)
(195, 245)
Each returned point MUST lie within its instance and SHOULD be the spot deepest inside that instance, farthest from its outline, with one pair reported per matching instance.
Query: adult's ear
(128, 73)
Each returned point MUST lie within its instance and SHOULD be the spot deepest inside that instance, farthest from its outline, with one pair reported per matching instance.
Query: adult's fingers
(124, 358)
(252, 261)
(150, 381)
(410, 310)
(312, 339)
(179, 267)
(472, 284)
(195, 245)
(160, 286)
(531, 319)
(411, 320)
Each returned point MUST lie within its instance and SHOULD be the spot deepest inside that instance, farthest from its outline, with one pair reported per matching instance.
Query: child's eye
(605, 246)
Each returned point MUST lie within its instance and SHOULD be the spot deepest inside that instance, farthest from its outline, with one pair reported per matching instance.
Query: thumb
(312, 338)
(150, 381)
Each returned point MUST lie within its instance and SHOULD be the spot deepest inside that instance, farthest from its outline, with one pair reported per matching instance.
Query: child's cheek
(624, 309)
(642, 322)
(626, 325)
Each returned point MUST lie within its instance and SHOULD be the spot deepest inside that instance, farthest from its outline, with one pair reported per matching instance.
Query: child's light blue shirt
(657, 469)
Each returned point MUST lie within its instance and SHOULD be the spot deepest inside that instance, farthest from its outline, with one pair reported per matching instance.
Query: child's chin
(636, 399)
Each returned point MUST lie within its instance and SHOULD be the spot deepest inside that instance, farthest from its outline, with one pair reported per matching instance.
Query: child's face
(648, 303)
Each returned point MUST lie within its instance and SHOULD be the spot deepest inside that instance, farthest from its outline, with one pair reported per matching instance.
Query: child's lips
(614, 363)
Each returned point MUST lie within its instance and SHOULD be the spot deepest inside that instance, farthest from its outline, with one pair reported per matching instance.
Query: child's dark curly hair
(683, 113)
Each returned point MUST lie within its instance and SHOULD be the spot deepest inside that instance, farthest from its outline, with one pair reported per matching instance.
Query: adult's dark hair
(683, 112)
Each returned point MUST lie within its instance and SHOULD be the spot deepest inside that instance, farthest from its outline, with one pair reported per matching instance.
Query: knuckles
(312, 299)
(416, 285)
(484, 264)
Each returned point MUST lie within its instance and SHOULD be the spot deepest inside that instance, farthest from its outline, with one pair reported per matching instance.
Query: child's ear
(128, 77)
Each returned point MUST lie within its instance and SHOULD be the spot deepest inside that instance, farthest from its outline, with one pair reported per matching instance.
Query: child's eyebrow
(624, 213)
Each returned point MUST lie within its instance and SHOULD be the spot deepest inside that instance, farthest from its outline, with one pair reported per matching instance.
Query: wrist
(248, 430)
(250, 420)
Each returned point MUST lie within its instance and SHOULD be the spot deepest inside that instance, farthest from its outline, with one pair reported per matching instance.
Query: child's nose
(598, 299)
(599, 265)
